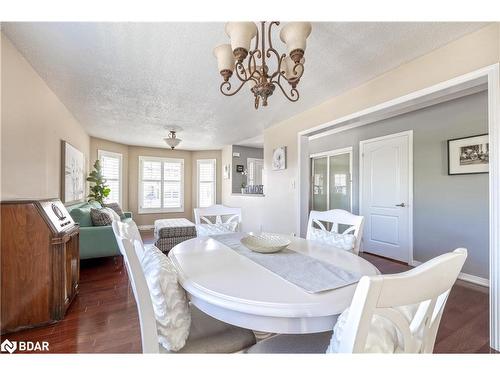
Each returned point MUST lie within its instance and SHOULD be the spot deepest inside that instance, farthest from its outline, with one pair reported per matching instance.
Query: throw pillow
(117, 208)
(100, 217)
(170, 304)
(343, 241)
(113, 214)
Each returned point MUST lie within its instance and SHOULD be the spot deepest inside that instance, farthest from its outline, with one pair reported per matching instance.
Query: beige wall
(34, 121)
(102, 144)
(469, 53)
(131, 174)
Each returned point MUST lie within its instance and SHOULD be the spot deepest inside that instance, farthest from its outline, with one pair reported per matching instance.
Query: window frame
(119, 156)
(204, 161)
(142, 210)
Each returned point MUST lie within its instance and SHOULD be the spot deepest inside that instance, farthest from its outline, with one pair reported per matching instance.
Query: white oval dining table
(234, 289)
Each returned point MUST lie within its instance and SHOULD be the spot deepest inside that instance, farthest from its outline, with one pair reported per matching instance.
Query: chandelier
(255, 70)
(172, 141)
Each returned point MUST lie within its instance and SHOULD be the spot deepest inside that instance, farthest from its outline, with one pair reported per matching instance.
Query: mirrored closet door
(331, 180)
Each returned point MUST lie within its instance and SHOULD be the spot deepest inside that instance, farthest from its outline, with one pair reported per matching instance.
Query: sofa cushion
(101, 217)
(117, 208)
(94, 204)
(81, 215)
(112, 212)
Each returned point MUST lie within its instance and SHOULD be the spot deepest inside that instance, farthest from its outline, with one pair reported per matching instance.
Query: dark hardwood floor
(103, 318)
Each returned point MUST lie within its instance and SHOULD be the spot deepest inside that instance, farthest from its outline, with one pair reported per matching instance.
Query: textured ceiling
(126, 81)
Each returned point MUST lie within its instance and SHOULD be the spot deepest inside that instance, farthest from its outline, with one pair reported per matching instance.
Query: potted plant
(99, 190)
(243, 187)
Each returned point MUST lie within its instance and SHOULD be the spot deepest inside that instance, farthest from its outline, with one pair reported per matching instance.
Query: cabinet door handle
(401, 205)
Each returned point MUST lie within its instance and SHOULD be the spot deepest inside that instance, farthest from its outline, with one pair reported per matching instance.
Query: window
(111, 164)
(161, 185)
(206, 182)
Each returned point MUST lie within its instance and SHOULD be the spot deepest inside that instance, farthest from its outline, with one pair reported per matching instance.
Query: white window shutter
(161, 185)
(111, 165)
(206, 176)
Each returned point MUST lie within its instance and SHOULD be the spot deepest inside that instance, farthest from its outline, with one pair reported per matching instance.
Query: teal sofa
(95, 242)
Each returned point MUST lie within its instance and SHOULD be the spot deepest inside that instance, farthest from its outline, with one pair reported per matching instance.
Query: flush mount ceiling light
(289, 67)
(172, 141)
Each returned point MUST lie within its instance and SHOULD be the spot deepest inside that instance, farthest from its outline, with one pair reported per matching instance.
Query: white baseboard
(463, 276)
(146, 227)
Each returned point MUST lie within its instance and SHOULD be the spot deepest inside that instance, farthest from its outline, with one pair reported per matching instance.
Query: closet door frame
(336, 152)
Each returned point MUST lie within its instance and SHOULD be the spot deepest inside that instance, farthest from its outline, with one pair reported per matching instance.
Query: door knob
(401, 205)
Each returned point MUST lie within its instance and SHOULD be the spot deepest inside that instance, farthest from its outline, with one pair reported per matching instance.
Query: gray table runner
(310, 274)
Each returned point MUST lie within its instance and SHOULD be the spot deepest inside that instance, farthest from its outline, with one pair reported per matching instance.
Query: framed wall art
(468, 155)
(279, 158)
(73, 174)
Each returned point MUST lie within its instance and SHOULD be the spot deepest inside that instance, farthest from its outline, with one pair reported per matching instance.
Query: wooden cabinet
(40, 263)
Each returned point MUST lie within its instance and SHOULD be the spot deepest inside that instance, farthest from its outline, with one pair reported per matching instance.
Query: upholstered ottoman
(170, 232)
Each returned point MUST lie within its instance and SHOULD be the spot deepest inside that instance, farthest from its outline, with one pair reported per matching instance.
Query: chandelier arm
(294, 93)
(258, 53)
(252, 68)
(226, 86)
(280, 59)
(269, 33)
(240, 69)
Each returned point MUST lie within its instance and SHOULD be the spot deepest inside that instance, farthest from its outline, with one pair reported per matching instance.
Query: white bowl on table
(266, 243)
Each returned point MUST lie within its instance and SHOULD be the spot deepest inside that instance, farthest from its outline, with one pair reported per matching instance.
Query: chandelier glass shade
(172, 141)
(252, 66)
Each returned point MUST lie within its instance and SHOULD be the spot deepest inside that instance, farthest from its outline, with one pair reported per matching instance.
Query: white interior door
(385, 192)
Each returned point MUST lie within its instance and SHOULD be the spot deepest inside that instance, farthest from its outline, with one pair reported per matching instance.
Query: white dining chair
(405, 308)
(131, 231)
(336, 217)
(217, 219)
(207, 335)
